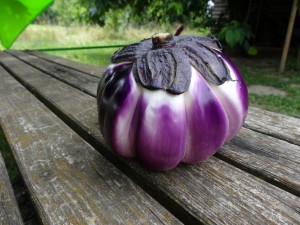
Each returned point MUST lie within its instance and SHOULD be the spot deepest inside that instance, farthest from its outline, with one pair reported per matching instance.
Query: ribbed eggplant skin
(163, 129)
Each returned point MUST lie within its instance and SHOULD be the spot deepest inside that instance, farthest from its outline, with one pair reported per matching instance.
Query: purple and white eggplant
(170, 99)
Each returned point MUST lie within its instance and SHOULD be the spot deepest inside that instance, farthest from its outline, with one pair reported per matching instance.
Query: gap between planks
(59, 69)
(80, 67)
(9, 209)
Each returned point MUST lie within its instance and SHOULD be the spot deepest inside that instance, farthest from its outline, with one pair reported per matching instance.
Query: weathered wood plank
(270, 123)
(211, 192)
(271, 159)
(274, 124)
(9, 211)
(86, 68)
(69, 182)
(77, 79)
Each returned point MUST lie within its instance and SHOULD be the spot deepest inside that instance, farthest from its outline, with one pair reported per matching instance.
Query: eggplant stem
(163, 40)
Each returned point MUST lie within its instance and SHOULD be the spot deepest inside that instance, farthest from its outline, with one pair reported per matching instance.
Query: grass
(263, 71)
(256, 70)
(44, 36)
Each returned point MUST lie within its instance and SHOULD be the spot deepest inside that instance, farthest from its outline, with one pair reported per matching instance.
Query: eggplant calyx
(165, 61)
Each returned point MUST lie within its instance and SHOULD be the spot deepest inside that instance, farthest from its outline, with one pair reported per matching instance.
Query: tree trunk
(288, 36)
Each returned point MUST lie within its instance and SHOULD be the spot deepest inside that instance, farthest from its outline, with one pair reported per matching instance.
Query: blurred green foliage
(117, 14)
(289, 82)
(237, 34)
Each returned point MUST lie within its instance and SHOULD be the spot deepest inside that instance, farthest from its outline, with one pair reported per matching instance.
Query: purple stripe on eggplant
(160, 140)
(207, 122)
(112, 91)
(125, 120)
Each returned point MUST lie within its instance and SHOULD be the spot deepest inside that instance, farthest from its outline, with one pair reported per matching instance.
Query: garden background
(86, 23)
(243, 28)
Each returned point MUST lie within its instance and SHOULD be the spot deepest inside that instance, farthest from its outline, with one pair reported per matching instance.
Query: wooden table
(49, 117)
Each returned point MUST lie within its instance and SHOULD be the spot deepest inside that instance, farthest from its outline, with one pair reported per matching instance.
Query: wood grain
(213, 192)
(271, 159)
(274, 124)
(73, 77)
(9, 211)
(69, 182)
(86, 68)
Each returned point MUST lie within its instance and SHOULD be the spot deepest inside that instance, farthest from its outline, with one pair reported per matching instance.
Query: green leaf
(222, 33)
(16, 15)
(232, 37)
(252, 51)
